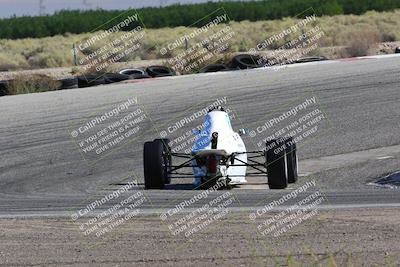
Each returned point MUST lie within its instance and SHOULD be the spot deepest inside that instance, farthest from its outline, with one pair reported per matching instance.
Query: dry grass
(358, 33)
(361, 41)
(35, 83)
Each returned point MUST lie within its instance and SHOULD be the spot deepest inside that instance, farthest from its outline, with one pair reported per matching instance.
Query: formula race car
(219, 156)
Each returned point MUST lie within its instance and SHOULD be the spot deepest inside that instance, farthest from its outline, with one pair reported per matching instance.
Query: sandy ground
(358, 237)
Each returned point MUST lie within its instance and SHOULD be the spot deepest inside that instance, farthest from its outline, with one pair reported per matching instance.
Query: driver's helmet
(220, 108)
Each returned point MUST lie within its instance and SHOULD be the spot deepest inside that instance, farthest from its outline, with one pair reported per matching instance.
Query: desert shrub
(361, 41)
(45, 60)
(56, 51)
(388, 37)
(24, 84)
(10, 61)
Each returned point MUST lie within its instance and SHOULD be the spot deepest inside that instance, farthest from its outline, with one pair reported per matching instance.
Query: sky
(9, 8)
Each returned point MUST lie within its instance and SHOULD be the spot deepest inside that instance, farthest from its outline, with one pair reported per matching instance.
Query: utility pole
(42, 8)
(87, 4)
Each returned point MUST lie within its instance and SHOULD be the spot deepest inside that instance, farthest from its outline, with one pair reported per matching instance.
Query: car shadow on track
(185, 186)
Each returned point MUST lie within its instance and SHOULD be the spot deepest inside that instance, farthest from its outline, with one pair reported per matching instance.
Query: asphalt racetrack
(43, 171)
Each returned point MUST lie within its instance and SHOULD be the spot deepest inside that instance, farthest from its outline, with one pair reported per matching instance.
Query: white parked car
(219, 154)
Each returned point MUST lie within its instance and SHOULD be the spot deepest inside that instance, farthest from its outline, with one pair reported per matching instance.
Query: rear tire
(291, 159)
(276, 165)
(155, 168)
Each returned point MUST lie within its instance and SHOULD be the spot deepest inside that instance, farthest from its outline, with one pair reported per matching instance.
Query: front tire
(291, 159)
(168, 157)
(276, 165)
(155, 165)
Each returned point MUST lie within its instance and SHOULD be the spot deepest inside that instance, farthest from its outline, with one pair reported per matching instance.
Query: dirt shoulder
(354, 237)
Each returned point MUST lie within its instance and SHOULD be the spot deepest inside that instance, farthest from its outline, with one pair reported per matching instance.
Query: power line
(87, 4)
(42, 8)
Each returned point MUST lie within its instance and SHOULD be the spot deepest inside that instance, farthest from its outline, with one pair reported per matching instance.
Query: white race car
(219, 155)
